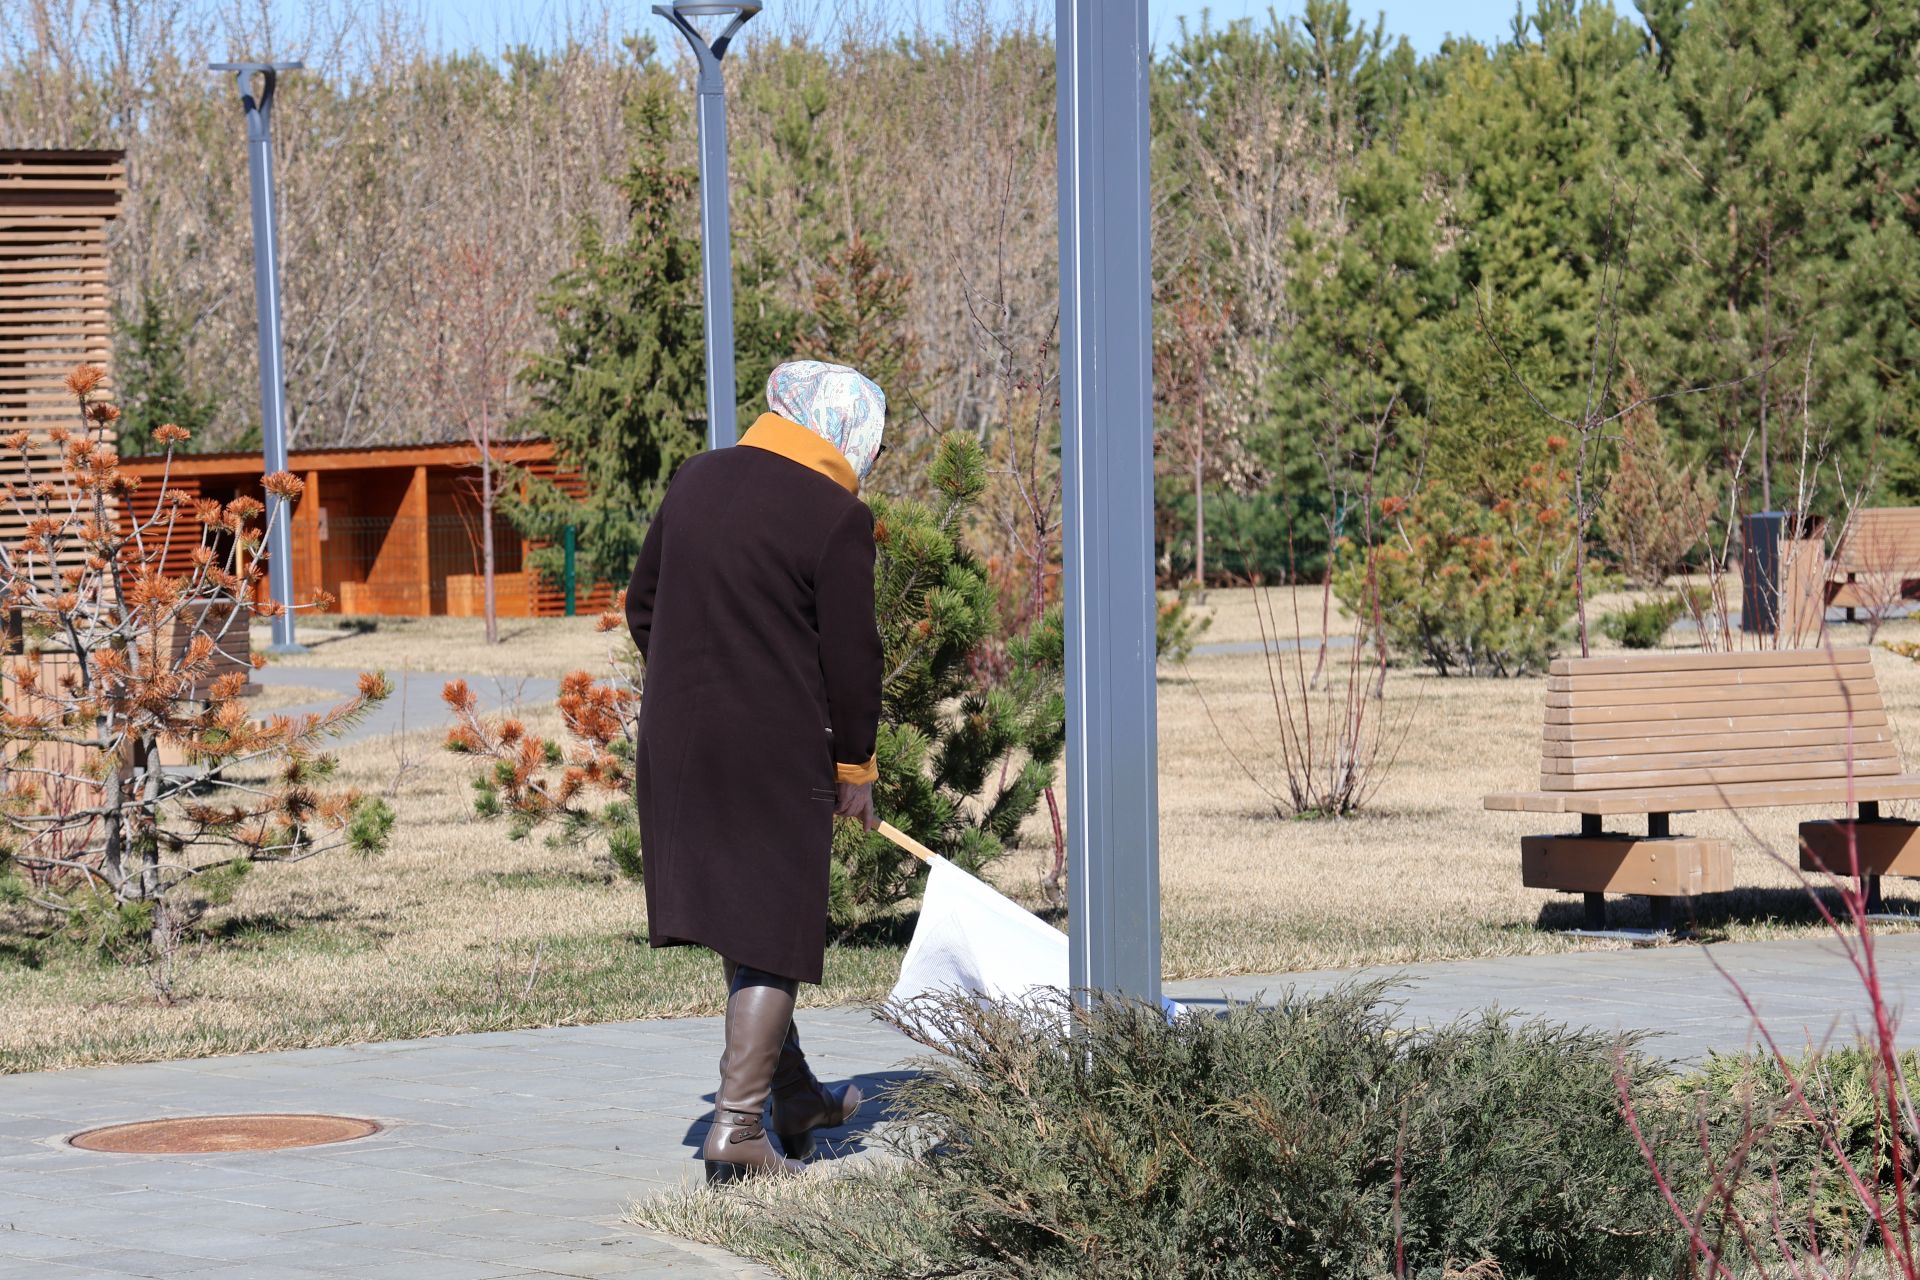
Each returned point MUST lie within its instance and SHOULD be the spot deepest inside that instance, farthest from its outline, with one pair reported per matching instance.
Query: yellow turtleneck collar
(776, 434)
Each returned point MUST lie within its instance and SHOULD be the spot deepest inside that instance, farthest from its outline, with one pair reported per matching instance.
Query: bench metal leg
(1659, 826)
(1596, 904)
(1870, 812)
(1660, 913)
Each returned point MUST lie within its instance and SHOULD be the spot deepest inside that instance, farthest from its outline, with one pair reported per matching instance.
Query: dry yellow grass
(458, 928)
(1236, 616)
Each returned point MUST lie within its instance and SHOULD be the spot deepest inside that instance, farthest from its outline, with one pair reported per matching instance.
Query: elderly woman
(753, 605)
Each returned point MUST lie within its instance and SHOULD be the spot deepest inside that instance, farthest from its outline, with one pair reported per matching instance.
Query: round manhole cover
(195, 1135)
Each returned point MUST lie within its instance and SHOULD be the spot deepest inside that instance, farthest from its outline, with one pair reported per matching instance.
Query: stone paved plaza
(517, 1153)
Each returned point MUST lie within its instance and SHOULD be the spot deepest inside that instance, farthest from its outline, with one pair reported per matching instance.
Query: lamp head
(681, 13)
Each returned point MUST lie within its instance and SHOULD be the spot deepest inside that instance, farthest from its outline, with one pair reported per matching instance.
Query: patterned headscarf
(840, 405)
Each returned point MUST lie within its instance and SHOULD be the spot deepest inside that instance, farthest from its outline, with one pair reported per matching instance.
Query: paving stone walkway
(415, 703)
(517, 1153)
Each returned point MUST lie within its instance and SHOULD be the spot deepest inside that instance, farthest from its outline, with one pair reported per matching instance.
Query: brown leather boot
(802, 1104)
(759, 1014)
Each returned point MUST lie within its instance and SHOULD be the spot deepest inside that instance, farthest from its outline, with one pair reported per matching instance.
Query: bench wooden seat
(1876, 563)
(1656, 734)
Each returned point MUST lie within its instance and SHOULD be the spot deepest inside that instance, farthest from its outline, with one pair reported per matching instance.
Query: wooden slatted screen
(54, 307)
(549, 598)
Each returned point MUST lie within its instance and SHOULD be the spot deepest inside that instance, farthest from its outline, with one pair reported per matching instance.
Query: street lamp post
(266, 300)
(1106, 463)
(716, 255)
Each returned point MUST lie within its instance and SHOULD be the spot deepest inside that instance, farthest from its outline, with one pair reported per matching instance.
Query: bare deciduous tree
(474, 316)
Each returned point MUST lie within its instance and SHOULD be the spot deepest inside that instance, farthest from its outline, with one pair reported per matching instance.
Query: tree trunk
(1199, 529)
(1580, 535)
(486, 534)
(1326, 582)
(1058, 875)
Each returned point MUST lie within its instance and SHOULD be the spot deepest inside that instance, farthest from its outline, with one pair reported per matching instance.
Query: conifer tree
(963, 761)
(621, 391)
(154, 386)
(1759, 197)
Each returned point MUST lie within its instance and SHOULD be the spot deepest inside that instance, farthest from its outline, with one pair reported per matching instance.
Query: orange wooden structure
(390, 530)
(54, 309)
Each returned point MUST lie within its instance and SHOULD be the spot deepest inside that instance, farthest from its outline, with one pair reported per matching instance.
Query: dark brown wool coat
(753, 604)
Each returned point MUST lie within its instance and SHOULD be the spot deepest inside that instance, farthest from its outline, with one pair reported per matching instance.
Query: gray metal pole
(266, 301)
(1106, 452)
(716, 232)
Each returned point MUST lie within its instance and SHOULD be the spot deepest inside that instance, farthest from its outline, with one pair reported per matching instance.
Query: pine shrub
(1643, 625)
(1472, 589)
(1313, 1138)
(963, 757)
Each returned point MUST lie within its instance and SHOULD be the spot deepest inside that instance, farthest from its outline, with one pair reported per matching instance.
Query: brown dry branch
(1197, 437)
(477, 315)
(135, 788)
(1711, 610)
(1336, 740)
(1803, 567)
(1330, 748)
(1250, 162)
(1350, 469)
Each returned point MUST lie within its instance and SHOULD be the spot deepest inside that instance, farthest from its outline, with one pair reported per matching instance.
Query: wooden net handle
(907, 842)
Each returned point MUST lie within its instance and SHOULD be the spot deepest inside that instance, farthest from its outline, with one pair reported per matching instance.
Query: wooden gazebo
(388, 530)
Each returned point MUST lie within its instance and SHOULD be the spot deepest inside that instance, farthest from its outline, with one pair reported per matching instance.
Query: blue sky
(491, 23)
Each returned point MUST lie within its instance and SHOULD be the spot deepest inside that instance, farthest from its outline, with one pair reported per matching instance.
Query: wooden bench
(1663, 733)
(1876, 564)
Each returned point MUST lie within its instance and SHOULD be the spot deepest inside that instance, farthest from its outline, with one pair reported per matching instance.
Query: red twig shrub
(1808, 1164)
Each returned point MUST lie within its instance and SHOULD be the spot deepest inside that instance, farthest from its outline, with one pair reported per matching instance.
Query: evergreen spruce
(154, 387)
(963, 762)
(621, 390)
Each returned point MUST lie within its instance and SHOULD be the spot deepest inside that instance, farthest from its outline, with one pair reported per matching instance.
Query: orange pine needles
(580, 782)
(130, 766)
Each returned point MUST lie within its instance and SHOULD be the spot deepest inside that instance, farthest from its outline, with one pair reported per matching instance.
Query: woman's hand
(856, 801)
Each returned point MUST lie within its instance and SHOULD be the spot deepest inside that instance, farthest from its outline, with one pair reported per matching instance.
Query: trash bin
(1783, 575)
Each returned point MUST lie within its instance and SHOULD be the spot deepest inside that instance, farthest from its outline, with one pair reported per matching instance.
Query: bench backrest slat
(1880, 540)
(1647, 721)
(1759, 660)
(1837, 736)
(1736, 678)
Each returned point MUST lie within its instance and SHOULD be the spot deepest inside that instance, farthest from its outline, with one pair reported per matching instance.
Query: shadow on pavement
(846, 1140)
